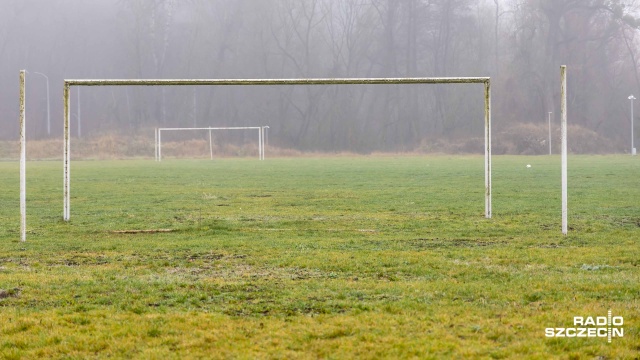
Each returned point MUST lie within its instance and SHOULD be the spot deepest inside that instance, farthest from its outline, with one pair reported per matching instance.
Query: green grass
(363, 257)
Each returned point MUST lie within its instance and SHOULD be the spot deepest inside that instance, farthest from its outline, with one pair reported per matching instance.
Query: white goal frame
(271, 82)
(261, 152)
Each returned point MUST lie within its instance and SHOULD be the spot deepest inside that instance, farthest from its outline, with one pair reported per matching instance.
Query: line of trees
(519, 43)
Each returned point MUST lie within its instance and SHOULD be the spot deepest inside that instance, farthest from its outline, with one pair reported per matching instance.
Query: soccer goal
(272, 82)
(260, 129)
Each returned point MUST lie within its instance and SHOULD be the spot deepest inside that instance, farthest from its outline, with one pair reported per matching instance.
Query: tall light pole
(79, 121)
(550, 132)
(265, 135)
(77, 116)
(48, 105)
(633, 149)
(195, 109)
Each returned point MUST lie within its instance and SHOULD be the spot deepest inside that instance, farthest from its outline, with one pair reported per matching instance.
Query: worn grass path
(346, 257)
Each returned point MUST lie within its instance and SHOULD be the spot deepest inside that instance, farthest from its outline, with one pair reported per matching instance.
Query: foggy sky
(67, 39)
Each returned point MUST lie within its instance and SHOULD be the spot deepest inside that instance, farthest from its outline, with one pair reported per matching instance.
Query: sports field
(327, 257)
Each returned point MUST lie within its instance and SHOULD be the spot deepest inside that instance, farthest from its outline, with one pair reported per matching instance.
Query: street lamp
(633, 149)
(48, 106)
(265, 134)
(79, 129)
(78, 116)
(550, 132)
(195, 108)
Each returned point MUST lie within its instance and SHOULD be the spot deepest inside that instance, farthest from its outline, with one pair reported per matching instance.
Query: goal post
(563, 147)
(23, 158)
(158, 137)
(274, 82)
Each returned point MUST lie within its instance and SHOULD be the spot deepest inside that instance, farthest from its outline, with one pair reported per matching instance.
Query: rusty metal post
(487, 148)
(23, 158)
(563, 131)
(67, 152)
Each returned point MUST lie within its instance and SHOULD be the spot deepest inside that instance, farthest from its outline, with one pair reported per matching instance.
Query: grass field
(336, 257)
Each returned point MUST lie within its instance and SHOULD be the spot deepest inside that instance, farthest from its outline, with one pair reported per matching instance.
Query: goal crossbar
(330, 81)
(226, 82)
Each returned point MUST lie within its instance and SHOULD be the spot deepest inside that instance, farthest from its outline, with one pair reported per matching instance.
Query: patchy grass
(350, 257)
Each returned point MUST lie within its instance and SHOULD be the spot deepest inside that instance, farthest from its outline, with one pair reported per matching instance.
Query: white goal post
(23, 158)
(273, 82)
(158, 138)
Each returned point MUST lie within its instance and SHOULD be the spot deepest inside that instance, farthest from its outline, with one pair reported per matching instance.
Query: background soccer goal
(260, 138)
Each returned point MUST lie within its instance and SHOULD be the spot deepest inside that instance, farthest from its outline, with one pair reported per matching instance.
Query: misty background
(520, 44)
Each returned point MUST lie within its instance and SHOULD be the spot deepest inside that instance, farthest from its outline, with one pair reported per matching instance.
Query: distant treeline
(520, 44)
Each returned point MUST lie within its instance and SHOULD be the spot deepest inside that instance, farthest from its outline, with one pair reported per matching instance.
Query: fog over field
(366, 220)
(520, 44)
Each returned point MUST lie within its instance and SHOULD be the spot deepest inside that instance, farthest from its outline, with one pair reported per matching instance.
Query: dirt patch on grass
(423, 243)
(11, 293)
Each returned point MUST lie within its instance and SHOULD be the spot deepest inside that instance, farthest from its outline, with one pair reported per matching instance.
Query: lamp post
(265, 135)
(195, 109)
(550, 132)
(633, 149)
(78, 116)
(48, 106)
(79, 130)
